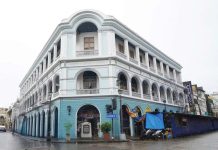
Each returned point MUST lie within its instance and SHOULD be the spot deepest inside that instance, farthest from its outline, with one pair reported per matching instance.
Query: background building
(79, 71)
(4, 118)
(214, 97)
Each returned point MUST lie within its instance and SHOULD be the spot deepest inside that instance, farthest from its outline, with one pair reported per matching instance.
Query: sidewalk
(79, 141)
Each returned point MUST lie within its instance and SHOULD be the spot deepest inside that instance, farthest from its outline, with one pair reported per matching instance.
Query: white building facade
(77, 72)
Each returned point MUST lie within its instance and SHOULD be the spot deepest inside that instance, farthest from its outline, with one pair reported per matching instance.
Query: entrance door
(88, 113)
(56, 123)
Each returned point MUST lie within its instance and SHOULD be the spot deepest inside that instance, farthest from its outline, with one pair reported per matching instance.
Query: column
(151, 92)
(165, 92)
(141, 90)
(36, 133)
(73, 44)
(147, 59)
(137, 54)
(161, 67)
(174, 75)
(171, 94)
(55, 52)
(99, 49)
(126, 48)
(49, 58)
(131, 125)
(158, 93)
(130, 88)
(155, 64)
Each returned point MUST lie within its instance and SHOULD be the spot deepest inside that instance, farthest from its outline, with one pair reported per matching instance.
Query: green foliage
(106, 127)
(67, 127)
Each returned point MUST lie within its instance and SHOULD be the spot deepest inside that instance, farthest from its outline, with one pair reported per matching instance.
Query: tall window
(58, 48)
(88, 43)
(52, 55)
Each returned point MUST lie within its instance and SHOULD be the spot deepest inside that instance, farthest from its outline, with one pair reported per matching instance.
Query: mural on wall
(134, 113)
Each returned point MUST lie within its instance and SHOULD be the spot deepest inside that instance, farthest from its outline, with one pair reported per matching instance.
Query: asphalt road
(207, 141)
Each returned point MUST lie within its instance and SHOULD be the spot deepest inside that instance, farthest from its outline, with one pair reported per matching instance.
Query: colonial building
(86, 60)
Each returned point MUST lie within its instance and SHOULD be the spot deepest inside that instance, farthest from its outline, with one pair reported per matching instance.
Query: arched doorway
(88, 113)
(138, 125)
(43, 124)
(39, 119)
(126, 121)
(35, 125)
(56, 123)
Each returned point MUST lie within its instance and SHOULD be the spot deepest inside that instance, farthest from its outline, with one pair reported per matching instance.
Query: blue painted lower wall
(35, 128)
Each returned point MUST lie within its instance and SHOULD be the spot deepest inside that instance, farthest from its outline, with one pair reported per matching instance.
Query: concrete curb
(73, 141)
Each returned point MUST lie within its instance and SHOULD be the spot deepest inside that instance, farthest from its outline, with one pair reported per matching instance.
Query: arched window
(44, 91)
(169, 97)
(50, 87)
(122, 81)
(89, 80)
(87, 39)
(145, 87)
(134, 84)
(87, 83)
(162, 93)
(175, 97)
(155, 92)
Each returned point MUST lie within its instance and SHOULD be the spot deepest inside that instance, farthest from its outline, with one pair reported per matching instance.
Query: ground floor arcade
(67, 116)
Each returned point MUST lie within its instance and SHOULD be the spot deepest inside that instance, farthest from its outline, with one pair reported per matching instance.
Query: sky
(185, 30)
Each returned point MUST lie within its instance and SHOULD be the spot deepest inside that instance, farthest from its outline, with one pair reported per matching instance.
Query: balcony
(133, 60)
(125, 92)
(87, 52)
(147, 96)
(87, 91)
(121, 54)
(143, 65)
(136, 94)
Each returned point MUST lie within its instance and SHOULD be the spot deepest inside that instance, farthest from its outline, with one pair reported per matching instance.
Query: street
(199, 142)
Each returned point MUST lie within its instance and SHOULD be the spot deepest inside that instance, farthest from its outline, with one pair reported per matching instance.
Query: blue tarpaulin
(154, 121)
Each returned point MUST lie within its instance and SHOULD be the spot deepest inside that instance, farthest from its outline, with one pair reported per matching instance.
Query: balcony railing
(133, 60)
(155, 98)
(152, 69)
(166, 76)
(160, 73)
(54, 95)
(136, 94)
(87, 52)
(121, 54)
(87, 91)
(125, 92)
(147, 96)
(144, 65)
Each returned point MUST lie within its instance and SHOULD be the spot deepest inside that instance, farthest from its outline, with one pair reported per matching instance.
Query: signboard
(112, 116)
(188, 86)
(86, 129)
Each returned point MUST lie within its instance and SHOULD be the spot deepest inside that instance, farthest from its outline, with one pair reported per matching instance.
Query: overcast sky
(185, 30)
